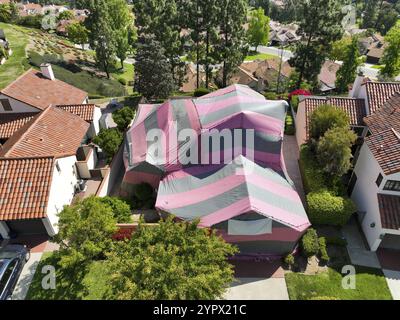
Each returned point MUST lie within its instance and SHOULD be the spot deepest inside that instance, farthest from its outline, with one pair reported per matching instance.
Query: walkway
(359, 253)
(291, 158)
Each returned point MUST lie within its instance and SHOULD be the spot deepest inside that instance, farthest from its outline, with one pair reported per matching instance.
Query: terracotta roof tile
(354, 108)
(84, 111)
(36, 90)
(380, 92)
(388, 116)
(25, 187)
(385, 146)
(53, 132)
(10, 123)
(389, 209)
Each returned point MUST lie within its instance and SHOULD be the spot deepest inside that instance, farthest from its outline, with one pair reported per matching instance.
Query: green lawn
(259, 56)
(370, 285)
(69, 285)
(17, 62)
(126, 74)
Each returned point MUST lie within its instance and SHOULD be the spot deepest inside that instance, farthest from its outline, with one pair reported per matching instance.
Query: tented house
(245, 195)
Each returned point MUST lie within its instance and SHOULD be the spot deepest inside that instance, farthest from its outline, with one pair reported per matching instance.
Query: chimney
(47, 71)
(355, 90)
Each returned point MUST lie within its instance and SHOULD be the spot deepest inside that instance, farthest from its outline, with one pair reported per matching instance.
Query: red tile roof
(10, 123)
(84, 111)
(385, 146)
(36, 90)
(380, 92)
(389, 209)
(354, 108)
(25, 187)
(386, 117)
(53, 132)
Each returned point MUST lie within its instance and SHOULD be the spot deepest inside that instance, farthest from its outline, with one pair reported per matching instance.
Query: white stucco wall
(62, 188)
(17, 106)
(84, 167)
(365, 195)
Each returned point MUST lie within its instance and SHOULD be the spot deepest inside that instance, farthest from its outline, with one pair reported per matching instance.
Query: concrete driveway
(257, 289)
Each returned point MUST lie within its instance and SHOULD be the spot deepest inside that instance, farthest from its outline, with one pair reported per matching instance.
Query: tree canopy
(391, 56)
(123, 117)
(258, 32)
(172, 260)
(347, 71)
(109, 141)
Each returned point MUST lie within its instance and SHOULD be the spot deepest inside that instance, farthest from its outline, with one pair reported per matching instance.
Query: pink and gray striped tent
(249, 200)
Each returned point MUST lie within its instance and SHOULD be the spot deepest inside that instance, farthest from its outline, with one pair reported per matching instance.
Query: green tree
(231, 49)
(120, 209)
(85, 231)
(387, 18)
(370, 14)
(391, 56)
(78, 33)
(123, 117)
(327, 117)
(65, 15)
(347, 71)
(5, 13)
(258, 32)
(170, 261)
(102, 36)
(319, 27)
(122, 24)
(153, 76)
(334, 151)
(339, 47)
(109, 141)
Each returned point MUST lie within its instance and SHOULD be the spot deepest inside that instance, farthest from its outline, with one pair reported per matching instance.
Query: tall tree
(258, 32)
(370, 14)
(170, 261)
(102, 37)
(153, 76)
(78, 33)
(230, 48)
(122, 22)
(391, 56)
(347, 71)
(320, 26)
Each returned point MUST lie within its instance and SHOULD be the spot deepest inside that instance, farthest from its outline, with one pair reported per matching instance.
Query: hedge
(270, 96)
(201, 92)
(328, 209)
(289, 125)
(313, 177)
(309, 243)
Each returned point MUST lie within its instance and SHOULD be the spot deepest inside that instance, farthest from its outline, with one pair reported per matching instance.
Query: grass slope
(17, 62)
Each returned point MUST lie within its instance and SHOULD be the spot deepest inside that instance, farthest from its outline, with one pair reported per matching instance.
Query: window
(392, 185)
(379, 180)
(58, 167)
(6, 104)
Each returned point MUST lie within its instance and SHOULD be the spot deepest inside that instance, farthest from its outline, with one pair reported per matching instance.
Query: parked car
(12, 259)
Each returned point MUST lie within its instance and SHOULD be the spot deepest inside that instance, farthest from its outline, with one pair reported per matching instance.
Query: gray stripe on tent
(248, 216)
(275, 111)
(271, 247)
(180, 115)
(150, 123)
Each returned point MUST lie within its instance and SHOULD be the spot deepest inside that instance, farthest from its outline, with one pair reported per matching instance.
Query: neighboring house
(190, 80)
(34, 92)
(354, 108)
(244, 77)
(283, 34)
(28, 9)
(375, 183)
(248, 201)
(62, 26)
(39, 172)
(327, 76)
(54, 9)
(376, 50)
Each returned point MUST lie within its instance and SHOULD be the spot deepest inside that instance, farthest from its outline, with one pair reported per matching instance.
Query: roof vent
(47, 71)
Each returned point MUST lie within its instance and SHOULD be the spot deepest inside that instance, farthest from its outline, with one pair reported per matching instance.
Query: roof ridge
(26, 158)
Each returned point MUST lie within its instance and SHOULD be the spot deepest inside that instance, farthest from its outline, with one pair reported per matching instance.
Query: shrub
(313, 177)
(123, 117)
(322, 250)
(325, 208)
(270, 96)
(309, 243)
(120, 208)
(31, 21)
(201, 92)
(289, 125)
(109, 141)
(289, 260)
(294, 102)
